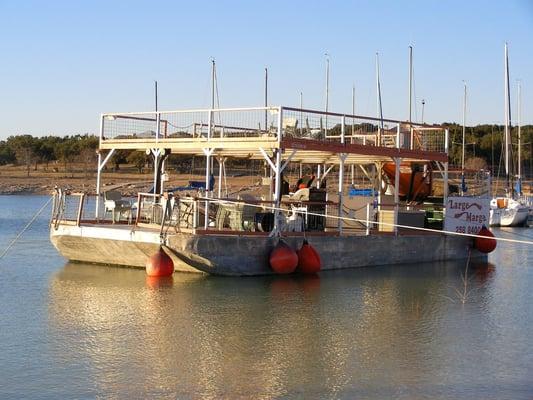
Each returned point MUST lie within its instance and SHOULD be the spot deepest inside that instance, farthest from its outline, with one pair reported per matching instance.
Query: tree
(138, 159)
(7, 155)
(120, 157)
(88, 145)
(24, 147)
(66, 151)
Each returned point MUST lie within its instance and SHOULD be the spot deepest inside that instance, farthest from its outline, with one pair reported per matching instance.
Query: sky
(65, 62)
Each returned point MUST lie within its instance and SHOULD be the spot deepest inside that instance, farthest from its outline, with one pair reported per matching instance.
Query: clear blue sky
(65, 62)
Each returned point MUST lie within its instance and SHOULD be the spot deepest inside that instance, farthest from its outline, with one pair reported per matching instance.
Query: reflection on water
(83, 331)
(367, 332)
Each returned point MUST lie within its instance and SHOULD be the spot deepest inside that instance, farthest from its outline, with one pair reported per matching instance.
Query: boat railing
(260, 122)
(268, 124)
(168, 213)
(67, 208)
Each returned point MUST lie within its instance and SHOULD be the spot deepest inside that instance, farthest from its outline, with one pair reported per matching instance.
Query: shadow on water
(212, 337)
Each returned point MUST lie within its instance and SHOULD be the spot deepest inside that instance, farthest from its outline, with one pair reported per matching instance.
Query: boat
(203, 229)
(508, 210)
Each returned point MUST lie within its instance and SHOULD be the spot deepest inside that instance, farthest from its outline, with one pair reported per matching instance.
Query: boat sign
(466, 214)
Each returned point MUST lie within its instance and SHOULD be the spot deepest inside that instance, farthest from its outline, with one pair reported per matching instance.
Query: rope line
(25, 228)
(529, 242)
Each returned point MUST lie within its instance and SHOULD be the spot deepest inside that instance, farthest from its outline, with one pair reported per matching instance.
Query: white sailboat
(506, 210)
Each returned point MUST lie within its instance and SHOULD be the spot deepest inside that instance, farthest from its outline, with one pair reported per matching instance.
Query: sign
(466, 214)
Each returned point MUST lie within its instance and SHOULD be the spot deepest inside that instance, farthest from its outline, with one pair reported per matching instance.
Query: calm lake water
(85, 331)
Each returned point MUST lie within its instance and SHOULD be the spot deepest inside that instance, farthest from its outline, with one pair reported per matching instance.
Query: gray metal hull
(248, 255)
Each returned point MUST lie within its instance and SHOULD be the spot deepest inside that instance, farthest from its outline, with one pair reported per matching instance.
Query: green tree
(139, 159)
(24, 147)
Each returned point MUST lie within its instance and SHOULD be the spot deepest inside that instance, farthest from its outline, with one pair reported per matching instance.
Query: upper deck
(306, 136)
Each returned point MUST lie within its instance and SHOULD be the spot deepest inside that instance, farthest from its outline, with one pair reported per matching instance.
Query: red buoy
(160, 264)
(485, 244)
(283, 259)
(308, 259)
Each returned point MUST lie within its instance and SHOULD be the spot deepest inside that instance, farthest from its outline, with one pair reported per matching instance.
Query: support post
(277, 171)
(397, 162)
(98, 177)
(221, 161)
(379, 180)
(208, 153)
(99, 169)
(277, 192)
(342, 158)
(445, 179)
(367, 219)
(155, 153)
(98, 173)
(343, 128)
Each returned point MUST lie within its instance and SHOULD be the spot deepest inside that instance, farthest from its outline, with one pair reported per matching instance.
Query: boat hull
(235, 255)
(517, 216)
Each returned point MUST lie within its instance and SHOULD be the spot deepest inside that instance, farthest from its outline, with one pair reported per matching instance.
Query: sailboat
(506, 210)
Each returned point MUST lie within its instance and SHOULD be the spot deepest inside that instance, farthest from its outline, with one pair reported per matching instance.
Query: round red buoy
(160, 264)
(308, 259)
(283, 259)
(485, 244)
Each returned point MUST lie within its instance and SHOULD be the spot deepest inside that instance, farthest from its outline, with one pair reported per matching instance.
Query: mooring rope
(273, 208)
(26, 227)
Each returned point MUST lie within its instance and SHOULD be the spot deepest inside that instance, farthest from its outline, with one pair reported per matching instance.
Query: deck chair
(114, 204)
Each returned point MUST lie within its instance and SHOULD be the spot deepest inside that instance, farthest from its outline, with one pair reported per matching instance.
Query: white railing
(263, 122)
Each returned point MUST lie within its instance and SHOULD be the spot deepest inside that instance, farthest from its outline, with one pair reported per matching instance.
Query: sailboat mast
(155, 82)
(507, 123)
(464, 131)
(327, 95)
(519, 133)
(379, 104)
(411, 82)
(266, 97)
(212, 83)
(353, 109)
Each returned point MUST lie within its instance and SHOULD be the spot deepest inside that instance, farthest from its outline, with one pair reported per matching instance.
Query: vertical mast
(507, 123)
(212, 83)
(155, 96)
(353, 109)
(266, 97)
(519, 133)
(379, 104)
(327, 83)
(301, 115)
(327, 94)
(411, 82)
(464, 131)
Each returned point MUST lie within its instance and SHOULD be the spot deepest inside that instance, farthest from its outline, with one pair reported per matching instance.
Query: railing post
(139, 205)
(80, 209)
(398, 136)
(209, 124)
(280, 127)
(343, 127)
(367, 219)
(195, 215)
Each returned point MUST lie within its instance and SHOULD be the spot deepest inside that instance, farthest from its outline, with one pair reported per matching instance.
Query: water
(84, 331)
